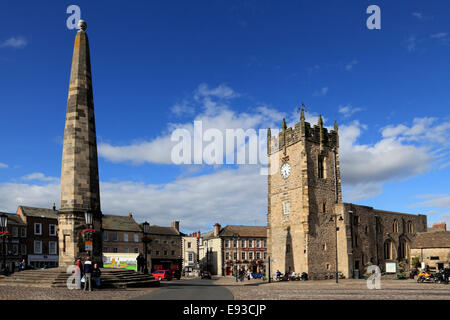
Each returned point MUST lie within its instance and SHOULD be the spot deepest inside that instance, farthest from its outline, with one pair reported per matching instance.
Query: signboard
(88, 245)
(120, 260)
(391, 267)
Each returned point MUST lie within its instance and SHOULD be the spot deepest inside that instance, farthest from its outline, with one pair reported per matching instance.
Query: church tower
(303, 193)
(80, 190)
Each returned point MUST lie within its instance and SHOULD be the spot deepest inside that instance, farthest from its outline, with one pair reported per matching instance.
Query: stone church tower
(80, 190)
(302, 195)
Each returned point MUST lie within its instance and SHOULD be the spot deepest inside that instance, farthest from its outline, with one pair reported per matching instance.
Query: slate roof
(244, 231)
(14, 219)
(120, 223)
(432, 240)
(163, 230)
(39, 212)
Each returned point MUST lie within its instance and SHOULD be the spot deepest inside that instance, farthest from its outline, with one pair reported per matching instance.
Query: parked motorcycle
(442, 276)
(425, 276)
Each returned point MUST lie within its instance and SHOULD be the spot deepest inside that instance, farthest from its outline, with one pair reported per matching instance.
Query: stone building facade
(433, 247)
(190, 252)
(225, 250)
(165, 247)
(121, 234)
(305, 209)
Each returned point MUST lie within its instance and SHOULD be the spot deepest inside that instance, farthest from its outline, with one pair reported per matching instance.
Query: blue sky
(162, 64)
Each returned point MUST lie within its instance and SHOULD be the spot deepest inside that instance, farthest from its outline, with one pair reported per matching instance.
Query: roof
(244, 231)
(14, 218)
(120, 223)
(432, 240)
(39, 212)
(163, 230)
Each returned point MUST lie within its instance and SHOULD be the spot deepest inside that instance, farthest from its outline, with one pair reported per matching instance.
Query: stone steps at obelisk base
(57, 277)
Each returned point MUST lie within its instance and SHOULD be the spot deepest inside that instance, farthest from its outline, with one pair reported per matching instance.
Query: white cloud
(348, 110)
(3, 165)
(411, 43)
(439, 35)
(351, 64)
(39, 176)
(321, 92)
(442, 201)
(418, 15)
(17, 43)
(362, 191)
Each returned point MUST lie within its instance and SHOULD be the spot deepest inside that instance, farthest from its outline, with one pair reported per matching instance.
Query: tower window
(286, 207)
(324, 207)
(321, 166)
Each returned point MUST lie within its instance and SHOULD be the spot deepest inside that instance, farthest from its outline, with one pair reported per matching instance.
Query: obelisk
(80, 191)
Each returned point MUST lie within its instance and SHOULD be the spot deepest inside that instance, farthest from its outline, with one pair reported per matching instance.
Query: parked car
(206, 275)
(162, 274)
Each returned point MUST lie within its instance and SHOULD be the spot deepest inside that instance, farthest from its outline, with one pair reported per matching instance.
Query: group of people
(241, 274)
(290, 275)
(87, 273)
(140, 263)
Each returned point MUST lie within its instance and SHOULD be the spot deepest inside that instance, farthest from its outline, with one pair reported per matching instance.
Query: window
(324, 247)
(321, 167)
(227, 256)
(136, 237)
(250, 255)
(286, 207)
(235, 243)
(395, 226)
(388, 250)
(243, 244)
(265, 255)
(15, 232)
(172, 252)
(136, 250)
(258, 255)
(115, 250)
(250, 243)
(37, 246)
(115, 238)
(15, 249)
(258, 243)
(165, 252)
(165, 242)
(157, 241)
(38, 228)
(52, 229)
(227, 243)
(105, 249)
(190, 256)
(23, 232)
(265, 243)
(410, 227)
(324, 207)
(125, 237)
(172, 242)
(235, 256)
(404, 249)
(23, 249)
(356, 220)
(243, 255)
(434, 258)
(52, 247)
(105, 236)
(189, 245)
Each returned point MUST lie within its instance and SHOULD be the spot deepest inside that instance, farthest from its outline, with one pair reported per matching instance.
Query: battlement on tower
(303, 131)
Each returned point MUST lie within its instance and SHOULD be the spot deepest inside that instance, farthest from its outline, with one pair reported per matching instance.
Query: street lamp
(88, 216)
(334, 217)
(4, 225)
(146, 229)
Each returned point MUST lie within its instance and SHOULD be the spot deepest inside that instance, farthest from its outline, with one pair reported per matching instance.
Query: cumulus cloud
(348, 110)
(39, 176)
(3, 165)
(13, 42)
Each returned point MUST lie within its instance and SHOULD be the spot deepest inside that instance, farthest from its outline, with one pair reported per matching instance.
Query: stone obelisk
(80, 191)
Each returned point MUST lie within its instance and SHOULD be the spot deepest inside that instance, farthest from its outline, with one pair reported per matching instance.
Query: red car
(162, 274)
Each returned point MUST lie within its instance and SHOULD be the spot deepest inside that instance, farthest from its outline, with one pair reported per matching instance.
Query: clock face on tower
(285, 170)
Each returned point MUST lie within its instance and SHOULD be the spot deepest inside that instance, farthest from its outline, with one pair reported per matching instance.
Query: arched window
(410, 227)
(388, 250)
(395, 226)
(403, 251)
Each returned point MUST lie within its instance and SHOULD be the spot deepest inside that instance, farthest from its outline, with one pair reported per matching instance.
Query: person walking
(96, 274)
(88, 273)
(78, 274)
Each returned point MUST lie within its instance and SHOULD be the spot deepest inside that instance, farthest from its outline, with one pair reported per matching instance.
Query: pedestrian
(248, 275)
(88, 275)
(22, 265)
(96, 274)
(139, 263)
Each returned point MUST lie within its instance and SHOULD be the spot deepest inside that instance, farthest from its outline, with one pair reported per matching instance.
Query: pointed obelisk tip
(82, 25)
(335, 126)
(302, 115)
(283, 125)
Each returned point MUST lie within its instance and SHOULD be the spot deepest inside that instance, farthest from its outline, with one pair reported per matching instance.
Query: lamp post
(4, 225)
(146, 227)
(88, 216)
(334, 217)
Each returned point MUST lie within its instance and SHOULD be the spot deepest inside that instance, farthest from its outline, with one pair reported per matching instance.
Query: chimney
(442, 226)
(54, 206)
(216, 229)
(198, 234)
(175, 224)
(130, 215)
